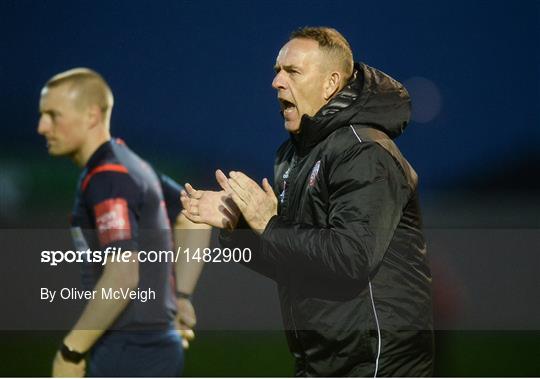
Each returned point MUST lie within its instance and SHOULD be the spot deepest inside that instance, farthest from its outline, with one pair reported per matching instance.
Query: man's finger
(241, 204)
(186, 332)
(240, 192)
(223, 181)
(193, 208)
(252, 191)
(191, 217)
(190, 205)
(185, 344)
(192, 191)
(188, 321)
(267, 187)
(244, 180)
(184, 199)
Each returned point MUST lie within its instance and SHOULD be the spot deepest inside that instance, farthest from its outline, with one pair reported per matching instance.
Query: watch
(69, 355)
(182, 295)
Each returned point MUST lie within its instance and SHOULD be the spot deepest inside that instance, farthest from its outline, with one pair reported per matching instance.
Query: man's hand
(215, 208)
(186, 321)
(63, 368)
(258, 205)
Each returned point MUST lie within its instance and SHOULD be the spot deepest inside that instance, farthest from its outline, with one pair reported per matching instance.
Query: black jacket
(346, 248)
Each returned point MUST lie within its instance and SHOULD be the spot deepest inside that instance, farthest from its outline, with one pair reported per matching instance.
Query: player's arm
(188, 236)
(99, 313)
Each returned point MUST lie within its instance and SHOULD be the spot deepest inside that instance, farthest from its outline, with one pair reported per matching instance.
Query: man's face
(61, 122)
(299, 81)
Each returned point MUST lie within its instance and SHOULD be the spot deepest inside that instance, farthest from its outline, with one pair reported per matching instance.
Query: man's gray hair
(332, 42)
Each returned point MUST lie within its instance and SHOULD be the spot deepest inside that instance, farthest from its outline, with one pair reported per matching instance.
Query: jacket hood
(372, 98)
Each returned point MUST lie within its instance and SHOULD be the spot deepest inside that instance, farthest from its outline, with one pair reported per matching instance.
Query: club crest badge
(314, 173)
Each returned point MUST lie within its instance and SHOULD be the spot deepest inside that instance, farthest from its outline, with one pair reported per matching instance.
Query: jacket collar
(370, 98)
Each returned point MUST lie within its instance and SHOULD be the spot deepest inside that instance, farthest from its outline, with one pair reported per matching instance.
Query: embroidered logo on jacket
(285, 177)
(314, 173)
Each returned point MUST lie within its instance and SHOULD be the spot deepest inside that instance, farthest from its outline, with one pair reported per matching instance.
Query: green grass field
(265, 354)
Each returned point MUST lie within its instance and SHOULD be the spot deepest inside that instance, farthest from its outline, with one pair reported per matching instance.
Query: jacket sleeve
(243, 237)
(367, 195)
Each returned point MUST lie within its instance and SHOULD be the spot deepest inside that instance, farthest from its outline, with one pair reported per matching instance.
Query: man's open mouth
(286, 106)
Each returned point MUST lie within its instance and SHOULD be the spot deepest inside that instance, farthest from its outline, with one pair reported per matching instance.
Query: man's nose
(44, 125)
(278, 82)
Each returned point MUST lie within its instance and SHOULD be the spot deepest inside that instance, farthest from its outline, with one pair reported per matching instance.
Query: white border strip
(354, 131)
(378, 331)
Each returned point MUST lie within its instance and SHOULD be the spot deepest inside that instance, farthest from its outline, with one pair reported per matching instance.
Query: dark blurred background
(192, 93)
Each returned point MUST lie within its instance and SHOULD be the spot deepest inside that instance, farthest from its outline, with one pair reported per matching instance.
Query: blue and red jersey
(122, 202)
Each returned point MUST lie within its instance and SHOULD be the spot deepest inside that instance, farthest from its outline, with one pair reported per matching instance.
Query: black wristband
(71, 355)
(182, 295)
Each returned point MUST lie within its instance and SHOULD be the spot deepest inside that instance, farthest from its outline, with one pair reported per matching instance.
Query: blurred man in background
(121, 203)
(343, 237)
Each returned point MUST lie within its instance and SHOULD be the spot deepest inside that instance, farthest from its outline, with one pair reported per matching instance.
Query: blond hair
(90, 88)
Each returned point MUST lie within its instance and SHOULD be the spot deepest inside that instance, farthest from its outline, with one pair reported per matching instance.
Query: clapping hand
(215, 208)
(258, 205)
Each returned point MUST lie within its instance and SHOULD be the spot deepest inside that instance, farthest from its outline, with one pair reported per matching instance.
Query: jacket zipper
(286, 198)
(287, 179)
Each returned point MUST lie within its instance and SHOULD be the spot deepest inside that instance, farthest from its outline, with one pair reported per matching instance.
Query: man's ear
(94, 115)
(331, 86)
